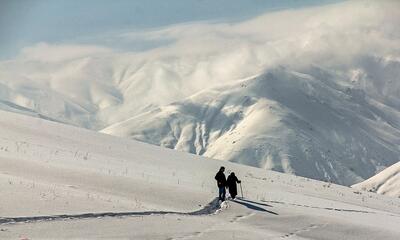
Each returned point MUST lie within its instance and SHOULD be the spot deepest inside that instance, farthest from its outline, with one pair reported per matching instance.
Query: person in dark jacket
(221, 183)
(231, 183)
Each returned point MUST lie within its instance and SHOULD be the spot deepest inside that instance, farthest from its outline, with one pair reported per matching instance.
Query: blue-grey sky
(26, 22)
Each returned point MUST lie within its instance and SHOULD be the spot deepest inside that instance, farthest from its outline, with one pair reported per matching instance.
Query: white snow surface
(387, 182)
(324, 103)
(62, 182)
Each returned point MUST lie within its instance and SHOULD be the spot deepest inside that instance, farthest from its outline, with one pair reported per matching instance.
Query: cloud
(45, 52)
(332, 35)
(327, 34)
(339, 37)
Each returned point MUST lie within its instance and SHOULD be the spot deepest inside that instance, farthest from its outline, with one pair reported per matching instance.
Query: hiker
(221, 183)
(231, 183)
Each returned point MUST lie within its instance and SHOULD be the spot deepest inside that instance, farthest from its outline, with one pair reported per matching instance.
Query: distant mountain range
(315, 97)
(317, 125)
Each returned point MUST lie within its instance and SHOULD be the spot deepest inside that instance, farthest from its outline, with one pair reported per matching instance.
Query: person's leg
(220, 193)
(223, 193)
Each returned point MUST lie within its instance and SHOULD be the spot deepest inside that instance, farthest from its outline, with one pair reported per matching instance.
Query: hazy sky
(27, 22)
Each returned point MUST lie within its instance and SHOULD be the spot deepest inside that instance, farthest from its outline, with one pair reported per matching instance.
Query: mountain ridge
(386, 182)
(280, 120)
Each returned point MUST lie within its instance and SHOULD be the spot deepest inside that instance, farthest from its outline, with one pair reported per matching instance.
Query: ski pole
(241, 190)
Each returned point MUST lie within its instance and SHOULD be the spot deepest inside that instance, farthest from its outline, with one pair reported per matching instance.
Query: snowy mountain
(59, 181)
(387, 182)
(310, 125)
(323, 102)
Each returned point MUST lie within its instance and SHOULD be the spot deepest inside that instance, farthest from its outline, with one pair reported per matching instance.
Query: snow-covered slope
(63, 182)
(311, 125)
(386, 182)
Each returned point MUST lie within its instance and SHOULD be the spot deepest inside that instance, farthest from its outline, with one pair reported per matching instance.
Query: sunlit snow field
(116, 188)
(119, 134)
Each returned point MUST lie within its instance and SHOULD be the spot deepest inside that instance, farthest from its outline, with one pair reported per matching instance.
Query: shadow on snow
(210, 208)
(252, 205)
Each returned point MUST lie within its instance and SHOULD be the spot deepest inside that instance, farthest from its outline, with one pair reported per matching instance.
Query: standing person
(221, 183)
(231, 183)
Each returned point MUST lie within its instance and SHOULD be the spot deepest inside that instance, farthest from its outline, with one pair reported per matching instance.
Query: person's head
(222, 169)
(232, 173)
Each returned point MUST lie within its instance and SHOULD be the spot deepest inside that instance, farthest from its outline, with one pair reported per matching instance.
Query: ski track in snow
(214, 227)
(241, 217)
(211, 208)
(301, 230)
(329, 208)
